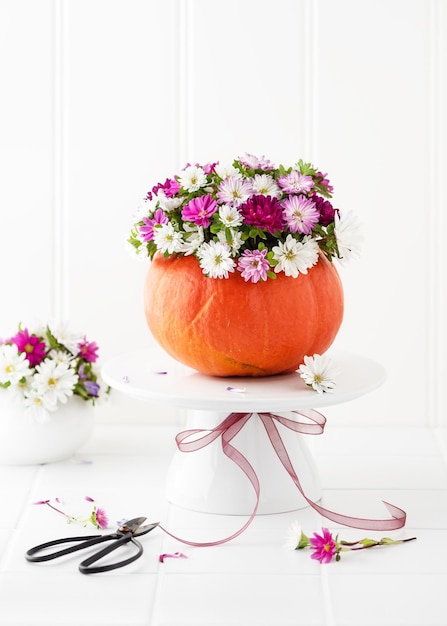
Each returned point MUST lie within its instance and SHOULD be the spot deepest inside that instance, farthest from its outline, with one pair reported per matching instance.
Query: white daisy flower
(230, 216)
(168, 204)
(293, 536)
(295, 257)
(347, 233)
(215, 259)
(192, 239)
(224, 171)
(265, 185)
(13, 365)
(192, 178)
(319, 373)
(62, 333)
(61, 357)
(167, 239)
(235, 242)
(54, 382)
(36, 408)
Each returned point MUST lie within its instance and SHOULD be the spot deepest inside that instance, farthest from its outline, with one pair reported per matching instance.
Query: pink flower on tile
(323, 546)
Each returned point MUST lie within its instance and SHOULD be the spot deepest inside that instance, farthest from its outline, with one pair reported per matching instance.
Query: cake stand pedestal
(206, 480)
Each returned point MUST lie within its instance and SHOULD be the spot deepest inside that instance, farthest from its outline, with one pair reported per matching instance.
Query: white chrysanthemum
(319, 373)
(167, 239)
(36, 408)
(265, 185)
(215, 259)
(61, 331)
(54, 382)
(168, 204)
(192, 178)
(192, 239)
(13, 365)
(230, 216)
(60, 357)
(235, 242)
(224, 171)
(348, 235)
(295, 257)
(293, 536)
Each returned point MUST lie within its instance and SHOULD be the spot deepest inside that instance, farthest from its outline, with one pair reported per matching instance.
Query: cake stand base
(207, 481)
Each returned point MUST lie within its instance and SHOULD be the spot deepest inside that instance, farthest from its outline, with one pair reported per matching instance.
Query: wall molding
(59, 209)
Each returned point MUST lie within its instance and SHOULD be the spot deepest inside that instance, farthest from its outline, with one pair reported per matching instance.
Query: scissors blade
(134, 526)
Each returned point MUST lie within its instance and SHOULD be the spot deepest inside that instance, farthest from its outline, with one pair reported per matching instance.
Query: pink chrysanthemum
(256, 163)
(31, 345)
(300, 214)
(324, 546)
(199, 210)
(88, 350)
(295, 182)
(263, 212)
(234, 190)
(170, 187)
(253, 265)
(101, 519)
(147, 231)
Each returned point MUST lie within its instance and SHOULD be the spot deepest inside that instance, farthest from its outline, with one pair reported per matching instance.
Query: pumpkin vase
(231, 327)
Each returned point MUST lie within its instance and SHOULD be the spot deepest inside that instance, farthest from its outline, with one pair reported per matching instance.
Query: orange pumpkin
(229, 327)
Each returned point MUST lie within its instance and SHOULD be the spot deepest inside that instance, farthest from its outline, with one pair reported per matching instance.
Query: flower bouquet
(48, 388)
(249, 216)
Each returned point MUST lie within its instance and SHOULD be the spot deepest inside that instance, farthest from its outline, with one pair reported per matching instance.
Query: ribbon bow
(229, 428)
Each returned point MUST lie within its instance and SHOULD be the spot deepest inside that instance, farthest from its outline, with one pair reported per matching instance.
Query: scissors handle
(33, 554)
(85, 566)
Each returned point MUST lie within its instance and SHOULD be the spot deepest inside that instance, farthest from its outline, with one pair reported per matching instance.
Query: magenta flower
(100, 518)
(88, 350)
(147, 231)
(324, 546)
(295, 182)
(322, 180)
(32, 345)
(300, 214)
(263, 212)
(253, 265)
(199, 210)
(325, 209)
(170, 187)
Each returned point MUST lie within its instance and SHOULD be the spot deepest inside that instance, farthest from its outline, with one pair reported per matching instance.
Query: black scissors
(124, 534)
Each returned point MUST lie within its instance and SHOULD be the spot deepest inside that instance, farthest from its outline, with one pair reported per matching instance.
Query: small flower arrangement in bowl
(241, 280)
(48, 384)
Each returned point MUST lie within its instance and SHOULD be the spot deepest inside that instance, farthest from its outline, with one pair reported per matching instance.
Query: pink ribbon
(229, 428)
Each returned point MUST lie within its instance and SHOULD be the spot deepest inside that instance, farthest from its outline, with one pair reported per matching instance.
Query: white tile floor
(253, 580)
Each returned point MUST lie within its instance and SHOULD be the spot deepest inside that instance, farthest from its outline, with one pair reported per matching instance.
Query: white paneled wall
(101, 99)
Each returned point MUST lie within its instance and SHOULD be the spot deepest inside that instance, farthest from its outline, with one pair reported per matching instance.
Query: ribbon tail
(228, 429)
(397, 520)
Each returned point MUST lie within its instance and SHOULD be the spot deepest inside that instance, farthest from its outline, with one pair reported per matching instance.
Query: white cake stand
(206, 480)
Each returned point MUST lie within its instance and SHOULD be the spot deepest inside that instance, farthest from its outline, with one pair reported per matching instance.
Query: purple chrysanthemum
(31, 345)
(300, 214)
(263, 212)
(322, 180)
(324, 546)
(253, 265)
(199, 210)
(147, 231)
(100, 518)
(325, 209)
